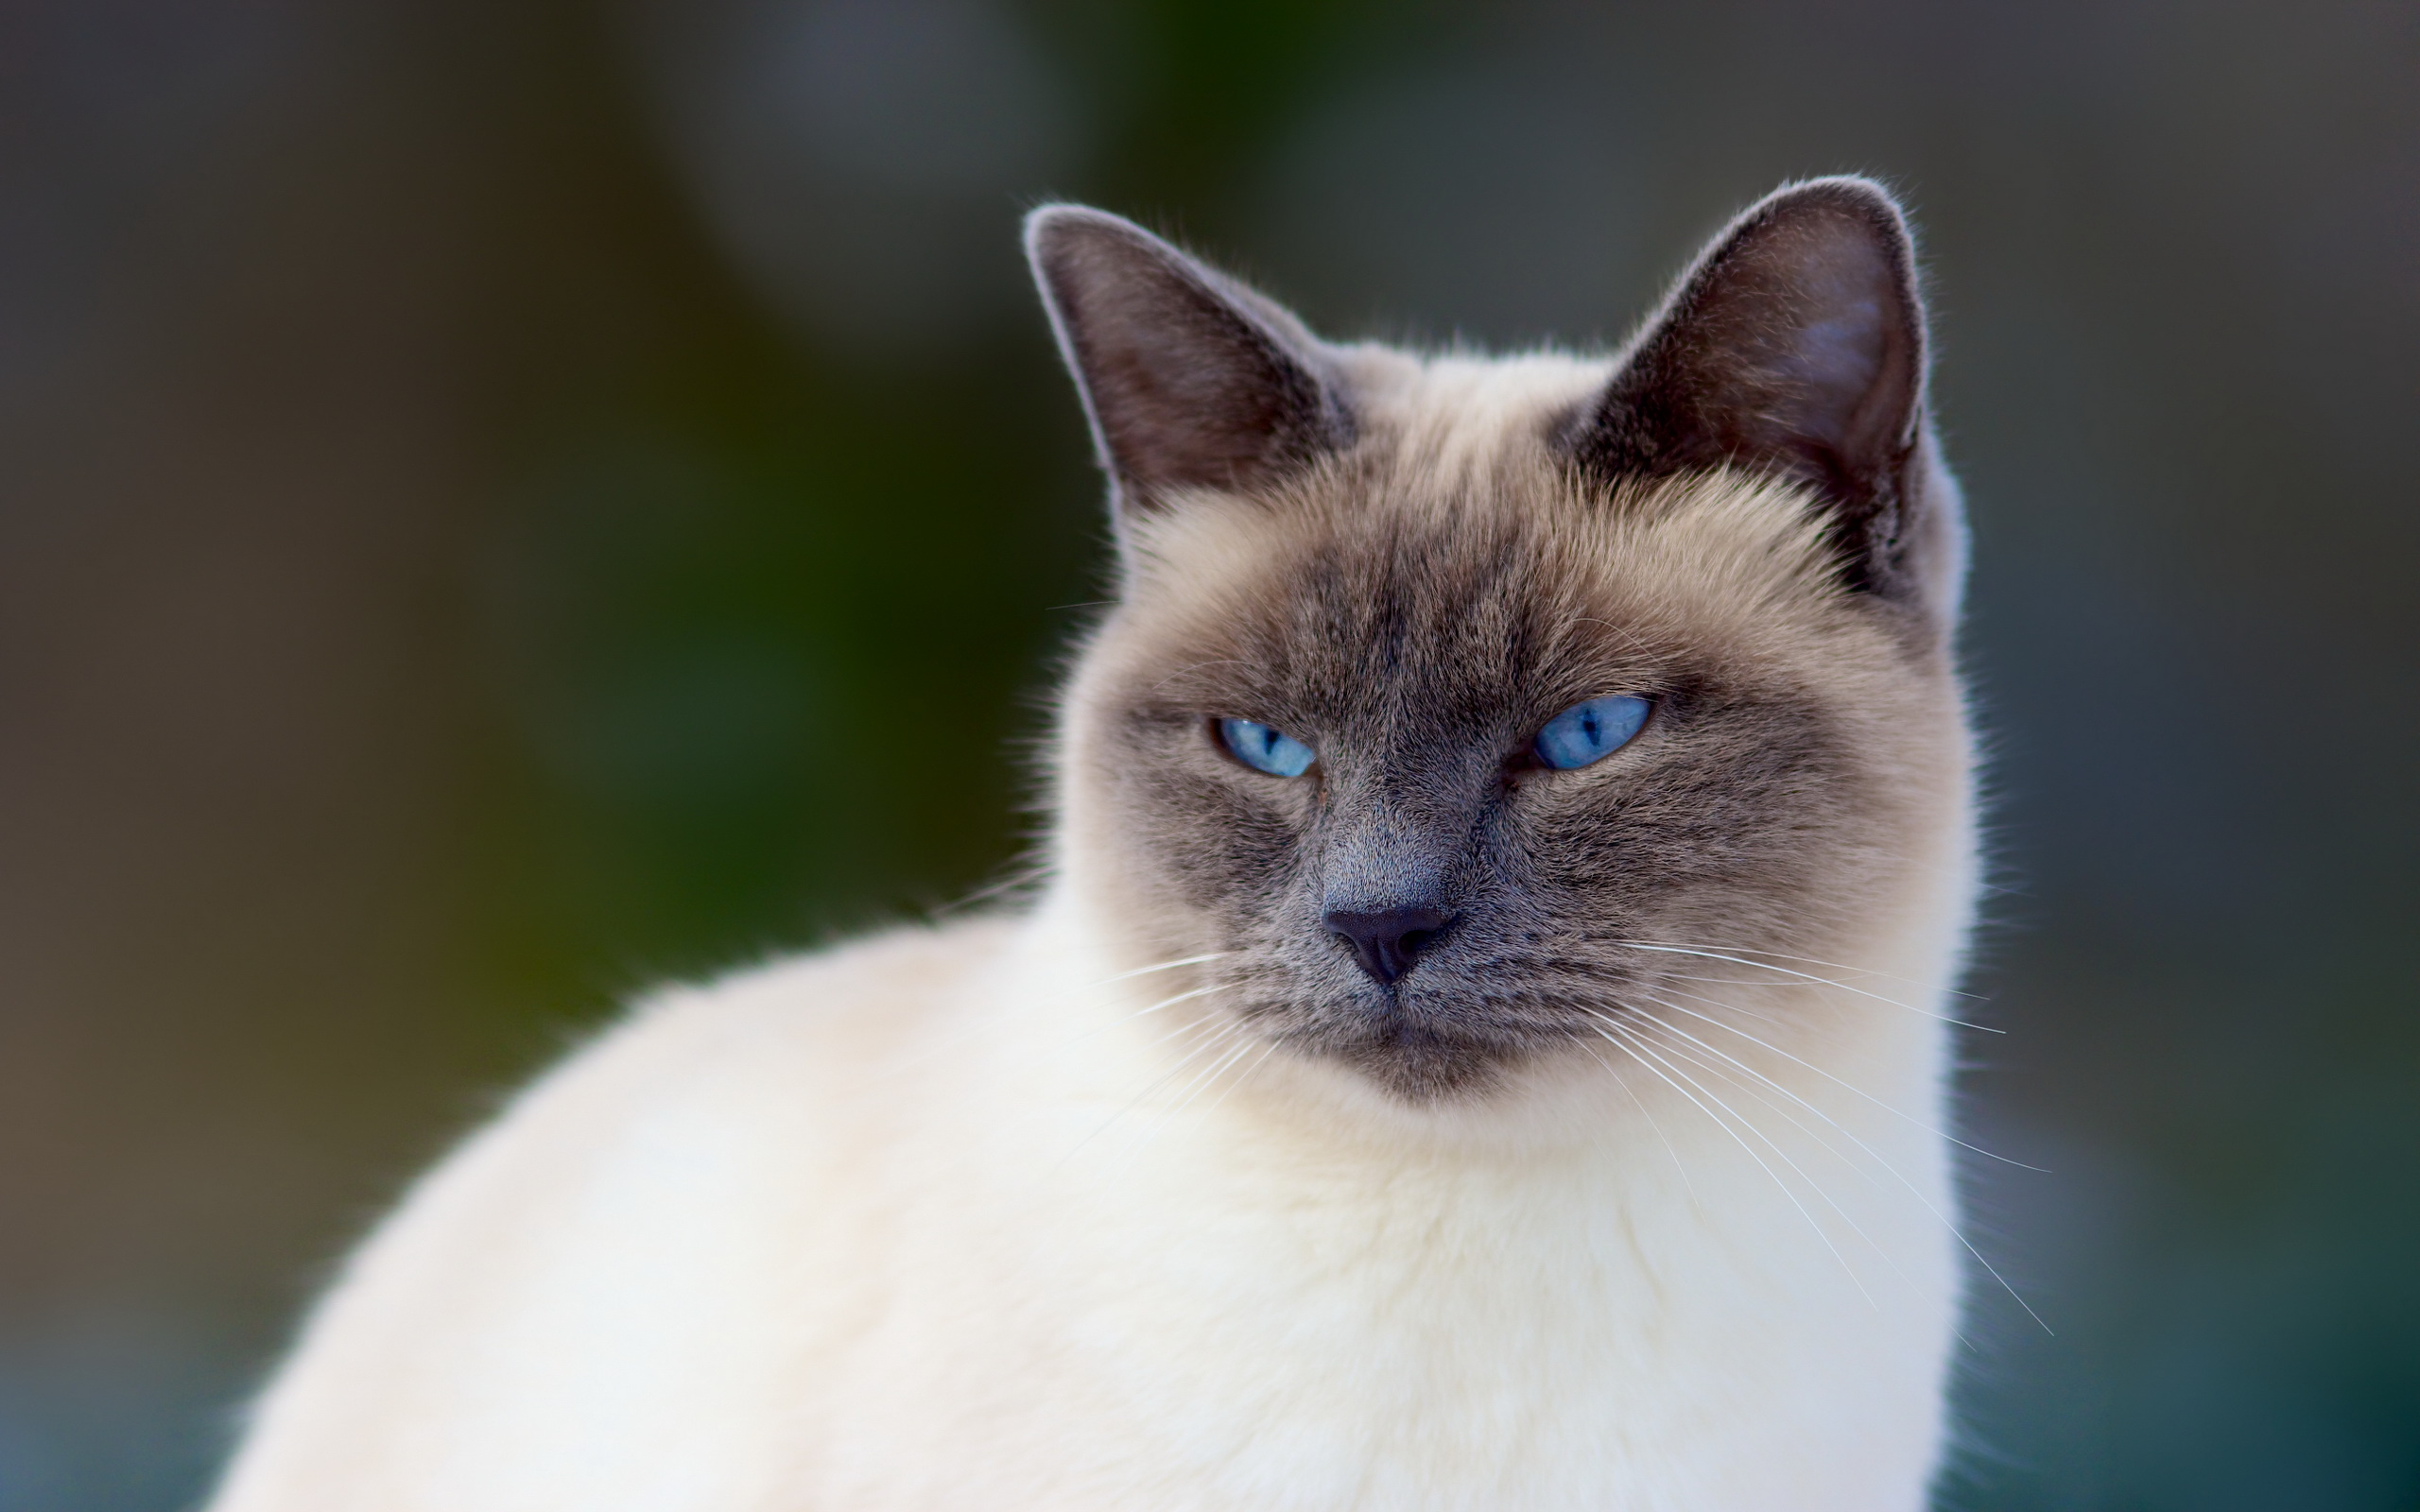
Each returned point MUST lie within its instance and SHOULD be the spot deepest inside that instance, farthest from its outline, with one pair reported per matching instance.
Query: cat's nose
(1386, 941)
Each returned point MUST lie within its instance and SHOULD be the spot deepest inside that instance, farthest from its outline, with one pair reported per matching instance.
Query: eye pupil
(1266, 748)
(1588, 733)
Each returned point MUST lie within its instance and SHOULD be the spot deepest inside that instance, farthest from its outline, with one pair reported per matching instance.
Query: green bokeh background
(505, 503)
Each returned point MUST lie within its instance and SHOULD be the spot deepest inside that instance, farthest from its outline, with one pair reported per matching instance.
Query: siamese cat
(1480, 1043)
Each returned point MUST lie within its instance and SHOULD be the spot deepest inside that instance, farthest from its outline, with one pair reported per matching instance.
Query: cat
(1480, 1042)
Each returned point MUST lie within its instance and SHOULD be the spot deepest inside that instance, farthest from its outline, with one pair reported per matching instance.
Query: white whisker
(1939, 1216)
(1164, 966)
(1639, 1103)
(1241, 1077)
(1218, 1036)
(1819, 1071)
(1827, 1145)
(1756, 1088)
(1804, 961)
(1168, 1002)
(1194, 1086)
(1772, 1144)
(1647, 1058)
(1821, 981)
(1203, 1083)
(962, 1036)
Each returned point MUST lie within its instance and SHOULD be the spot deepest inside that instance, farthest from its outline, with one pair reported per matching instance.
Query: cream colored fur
(956, 1218)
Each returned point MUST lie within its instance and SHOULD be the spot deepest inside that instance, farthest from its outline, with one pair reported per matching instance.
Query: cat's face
(1408, 571)
(1773, 796)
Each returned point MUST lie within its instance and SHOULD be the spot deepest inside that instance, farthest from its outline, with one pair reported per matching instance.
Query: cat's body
(1618, 1183)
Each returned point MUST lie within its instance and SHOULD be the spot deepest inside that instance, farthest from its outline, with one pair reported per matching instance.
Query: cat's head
(1448, 701)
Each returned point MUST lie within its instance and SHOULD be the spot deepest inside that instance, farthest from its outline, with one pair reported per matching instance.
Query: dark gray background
(506, 500)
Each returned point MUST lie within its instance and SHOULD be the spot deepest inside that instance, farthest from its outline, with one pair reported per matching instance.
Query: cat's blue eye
(1264, 749)
(1591, 731)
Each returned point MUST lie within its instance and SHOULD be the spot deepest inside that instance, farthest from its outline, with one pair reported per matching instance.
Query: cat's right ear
(1189, 379)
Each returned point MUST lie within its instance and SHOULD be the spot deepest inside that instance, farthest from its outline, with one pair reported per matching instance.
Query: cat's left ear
(1190, 380)
(1796, 346)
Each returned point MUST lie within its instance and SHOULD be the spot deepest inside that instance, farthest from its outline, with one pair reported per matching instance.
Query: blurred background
(505, 500)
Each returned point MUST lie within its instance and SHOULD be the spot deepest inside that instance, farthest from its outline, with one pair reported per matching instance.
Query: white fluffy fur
(958, 1219)
(926, 1223)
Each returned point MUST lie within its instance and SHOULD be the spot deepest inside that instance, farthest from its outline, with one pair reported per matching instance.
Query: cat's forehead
(1452, 544)
(1459, 422)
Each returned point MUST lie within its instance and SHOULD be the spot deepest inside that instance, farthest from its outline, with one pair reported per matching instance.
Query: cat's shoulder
(662, 1173)
(842, 1010)
(795, 1042)
(774, 1060)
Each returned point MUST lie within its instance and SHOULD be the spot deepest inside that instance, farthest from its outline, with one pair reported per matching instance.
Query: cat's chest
(1288, 1340)
(1103, 1303)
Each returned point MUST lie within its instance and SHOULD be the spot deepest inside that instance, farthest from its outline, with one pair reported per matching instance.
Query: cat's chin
(1424, 1069)
(1411, 1057)
(1450, 1040)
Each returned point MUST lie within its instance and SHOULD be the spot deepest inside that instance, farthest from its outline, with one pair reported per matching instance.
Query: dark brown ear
(1190, 380)
(1794, 347)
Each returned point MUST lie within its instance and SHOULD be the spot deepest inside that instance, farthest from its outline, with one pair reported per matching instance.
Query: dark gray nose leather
(1386, 941)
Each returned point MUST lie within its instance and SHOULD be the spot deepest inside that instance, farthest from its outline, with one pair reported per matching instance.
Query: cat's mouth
(1437, 1032)
(1414, 1060)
